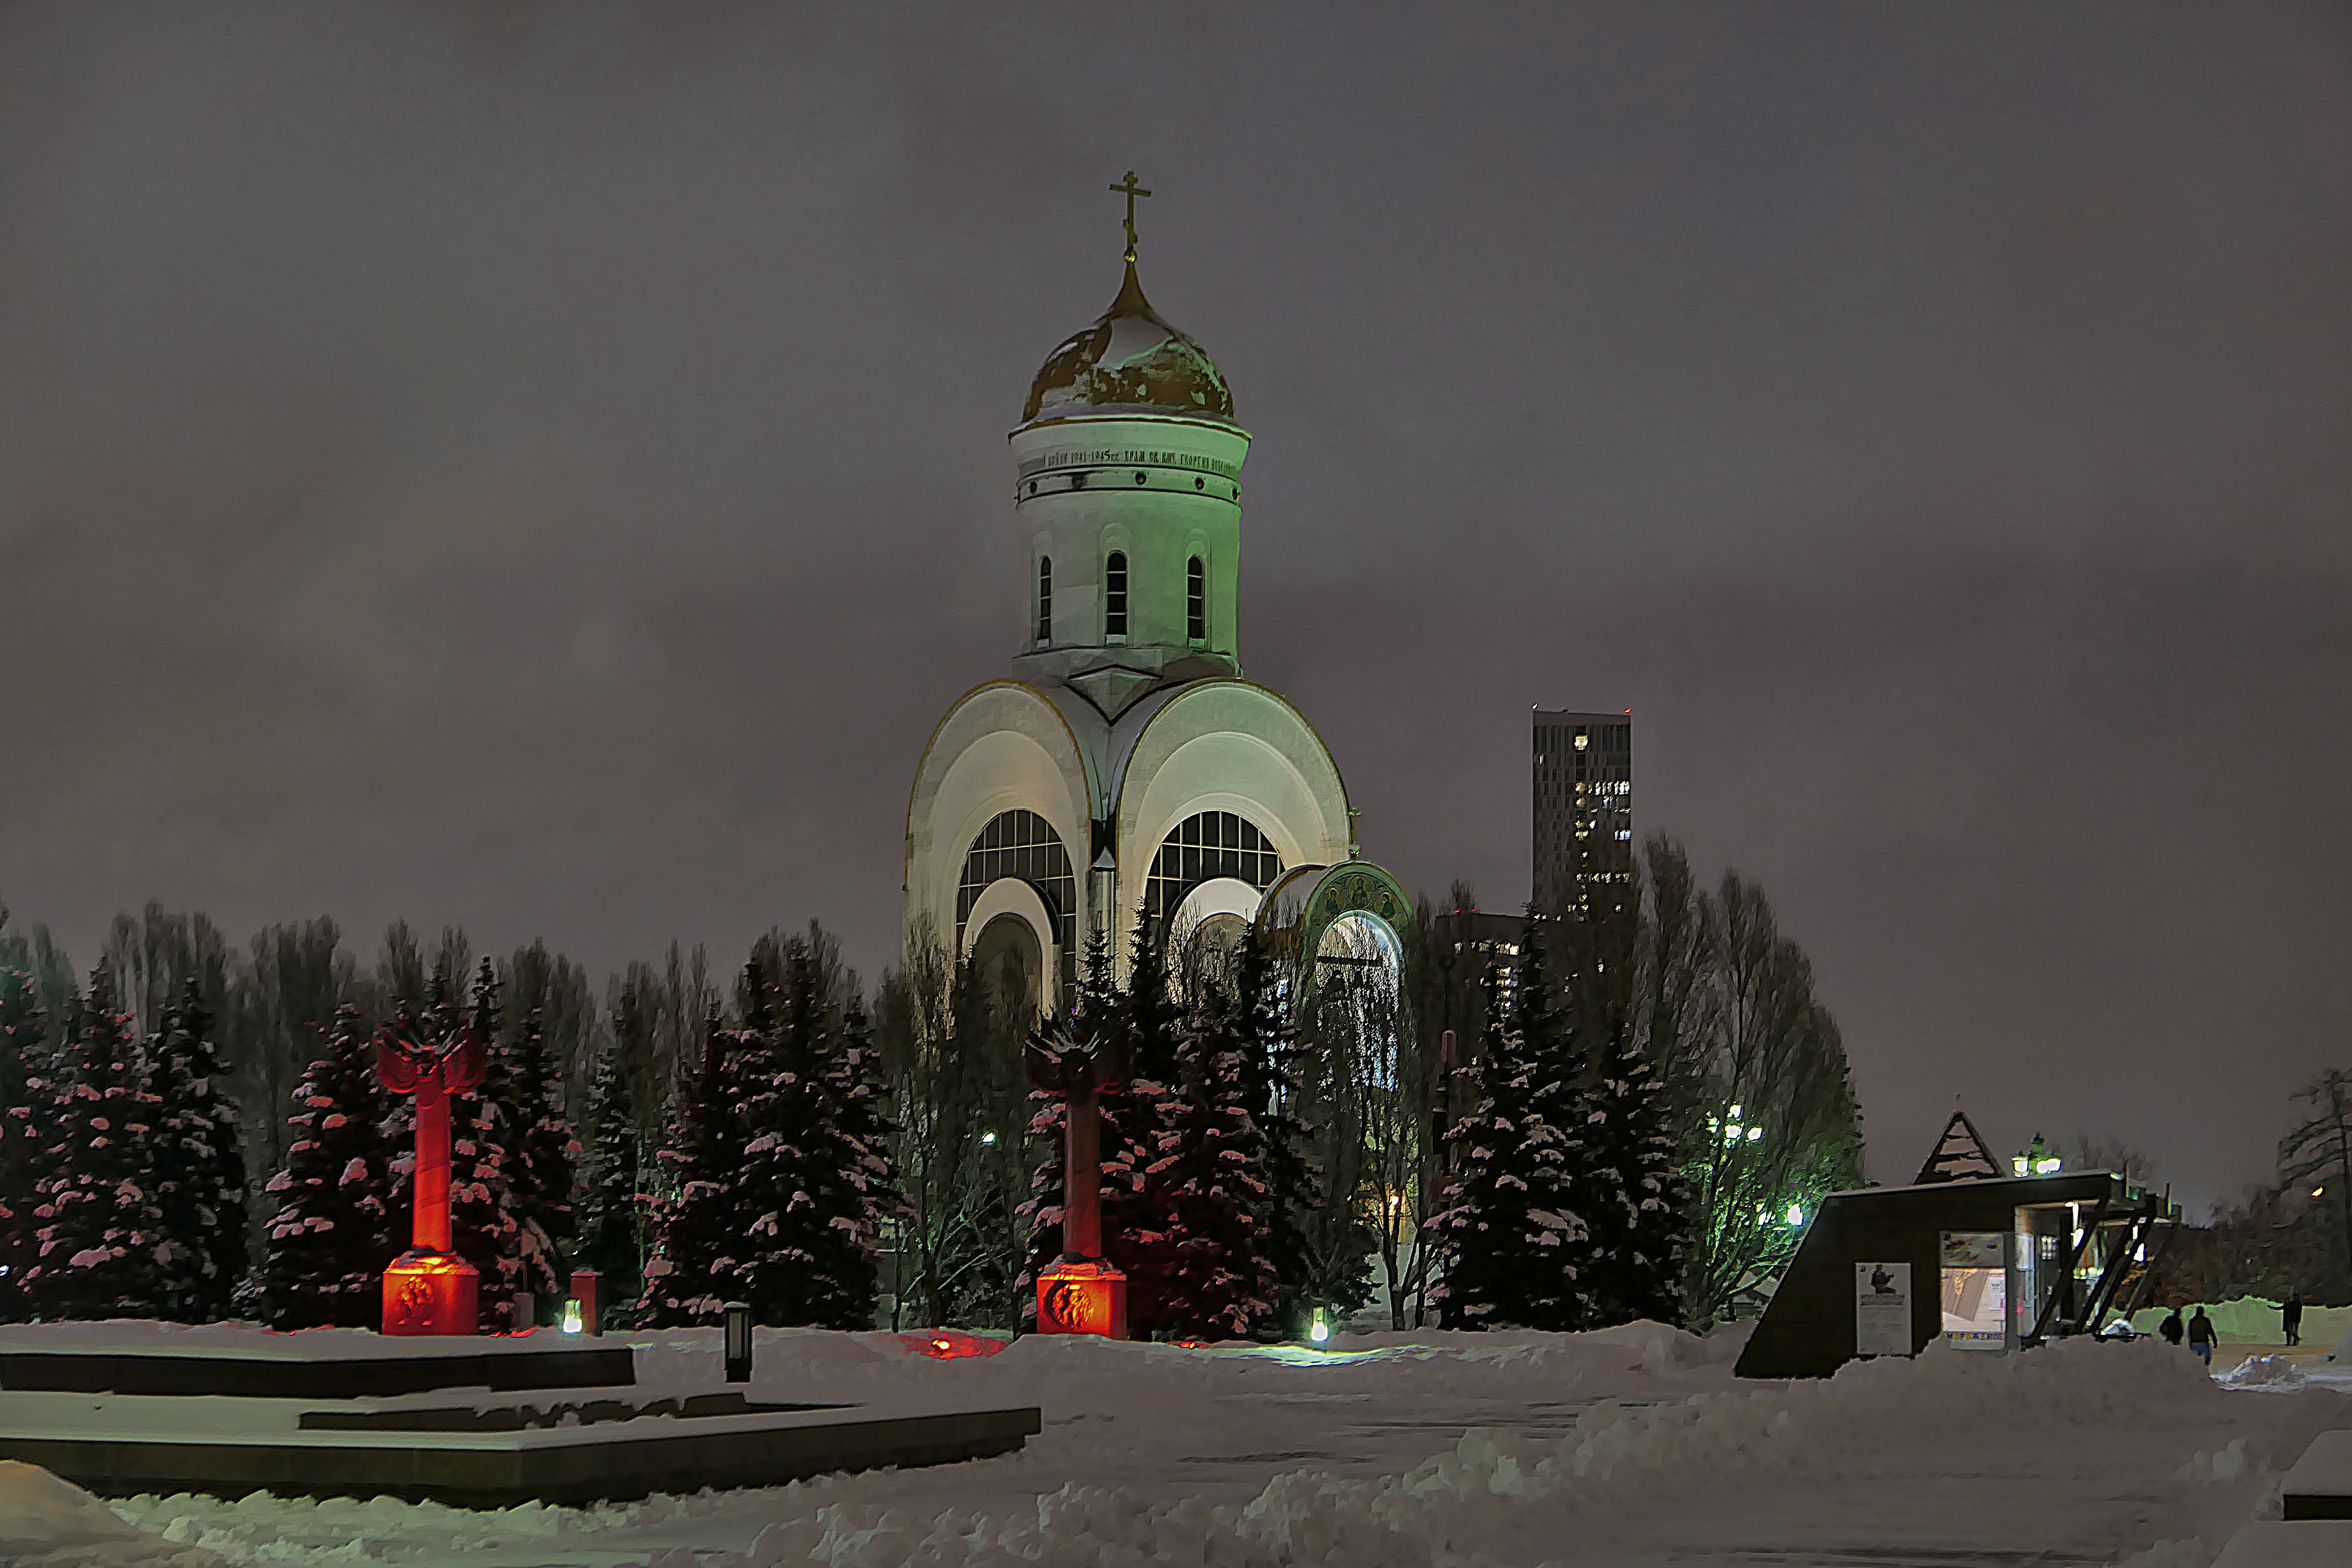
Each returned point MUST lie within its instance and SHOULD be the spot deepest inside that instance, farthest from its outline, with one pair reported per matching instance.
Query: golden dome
(1129, 361)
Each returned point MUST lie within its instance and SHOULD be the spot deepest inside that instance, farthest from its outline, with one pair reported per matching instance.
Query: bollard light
(587, 1289)
(738, 1342)
(572, 1315)
(1320, 1330)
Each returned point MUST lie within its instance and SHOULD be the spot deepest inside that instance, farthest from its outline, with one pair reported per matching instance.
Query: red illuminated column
(429, 1231)
(1081, 1294)
(1082, 1176)
(429, 1289)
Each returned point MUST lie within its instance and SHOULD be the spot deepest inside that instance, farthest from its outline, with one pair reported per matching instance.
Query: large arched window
(1199, 848)
(1021, 843)
(1196, 601)
(1044, 599)
(1114, 595)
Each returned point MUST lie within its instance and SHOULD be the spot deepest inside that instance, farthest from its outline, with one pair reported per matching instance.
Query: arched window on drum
(1201, 847)
(1021, 843)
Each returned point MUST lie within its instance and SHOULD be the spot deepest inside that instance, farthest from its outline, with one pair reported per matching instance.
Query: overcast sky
(541, 467)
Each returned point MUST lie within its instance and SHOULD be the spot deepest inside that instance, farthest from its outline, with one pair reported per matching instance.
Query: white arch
(1003, 746)
(1225, 746)
(1011, 895)
(1217, 896)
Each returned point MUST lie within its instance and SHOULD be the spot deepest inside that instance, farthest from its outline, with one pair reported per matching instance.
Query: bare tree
(1766, 1121)
(950, 1040)
(2318, 1153)
(283, 1001)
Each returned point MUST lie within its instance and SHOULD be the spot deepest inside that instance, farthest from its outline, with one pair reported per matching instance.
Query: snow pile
(1499, 1492)
(46, 1523)
(2254, 1320)
(2265, 1371)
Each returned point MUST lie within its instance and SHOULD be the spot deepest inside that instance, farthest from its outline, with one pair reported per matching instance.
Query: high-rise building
(1584, 814)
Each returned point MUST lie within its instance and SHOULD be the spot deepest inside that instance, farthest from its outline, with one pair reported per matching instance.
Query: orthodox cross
(1131, 190)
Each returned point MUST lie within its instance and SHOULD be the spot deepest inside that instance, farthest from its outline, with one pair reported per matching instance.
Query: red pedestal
(431, 1293)
(1082, 1298)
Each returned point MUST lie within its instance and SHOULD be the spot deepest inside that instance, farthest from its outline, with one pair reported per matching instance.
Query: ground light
(1320, 1329)
(572, 1315)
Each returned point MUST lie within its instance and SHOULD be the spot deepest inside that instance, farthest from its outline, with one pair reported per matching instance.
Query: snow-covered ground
(1632, 1447)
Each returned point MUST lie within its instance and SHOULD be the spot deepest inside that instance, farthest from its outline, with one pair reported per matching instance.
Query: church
(1125, 769)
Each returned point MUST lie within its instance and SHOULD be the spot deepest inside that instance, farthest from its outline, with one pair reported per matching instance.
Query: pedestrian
(2201, 1337)
(2170, 1328)
(2291, 1317)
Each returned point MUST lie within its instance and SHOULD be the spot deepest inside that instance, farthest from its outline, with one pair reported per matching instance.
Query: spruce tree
(98, 1226)
(1220, 1275)
(1269, 1053)
(1632, 1199)
(542, 1151)
(483, 1227)
(1138, 1133)
(325, 1249)
(1508, 1231)
(690, 1275)
(614, 1225)
(25, 1092)
(817, 1176)
(199, 1167)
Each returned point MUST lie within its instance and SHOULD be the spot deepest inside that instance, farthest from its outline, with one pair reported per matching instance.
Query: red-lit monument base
(1082, 1298)
(430, 1292)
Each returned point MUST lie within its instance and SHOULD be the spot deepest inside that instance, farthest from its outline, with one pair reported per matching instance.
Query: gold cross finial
(1130, 190)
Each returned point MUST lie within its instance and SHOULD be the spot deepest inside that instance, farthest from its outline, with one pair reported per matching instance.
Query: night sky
(542, 468)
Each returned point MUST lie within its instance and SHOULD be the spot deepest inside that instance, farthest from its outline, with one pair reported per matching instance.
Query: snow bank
(1499, 1492)
(2254, 1320)
(46, 1523)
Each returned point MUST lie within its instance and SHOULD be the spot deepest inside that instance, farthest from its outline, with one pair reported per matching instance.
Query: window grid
(1044, 599)
(1211, 844)
(1196, 601)
(1114, 595)
(1021, 843)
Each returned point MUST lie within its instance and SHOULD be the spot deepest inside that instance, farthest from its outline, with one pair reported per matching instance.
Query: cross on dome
(1130, 190)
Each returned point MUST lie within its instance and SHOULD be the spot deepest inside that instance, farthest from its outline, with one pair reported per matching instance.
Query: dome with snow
(1128, 361)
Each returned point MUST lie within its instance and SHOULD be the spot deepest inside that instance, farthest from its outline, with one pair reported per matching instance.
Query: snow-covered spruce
(781, 1162)
(1220, 1276)
(324, 1249)
(541, 1155)
(199, 1167)
(613, 1225)
(97, 1226)
(1269, 1058)
(25, 1089)
(1632, 1200)
(1508, 1229)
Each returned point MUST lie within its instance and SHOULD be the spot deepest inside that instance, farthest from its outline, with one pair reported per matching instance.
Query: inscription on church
(1127, 457)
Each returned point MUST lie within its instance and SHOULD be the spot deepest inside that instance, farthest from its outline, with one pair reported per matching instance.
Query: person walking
(2290, 1317)
(2171, 1328)
(2201, 1337)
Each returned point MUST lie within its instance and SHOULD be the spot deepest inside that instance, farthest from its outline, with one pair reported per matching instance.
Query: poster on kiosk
(1974, 1280)
(1882, 1309)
